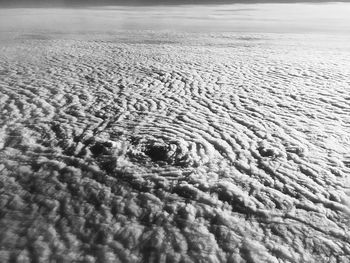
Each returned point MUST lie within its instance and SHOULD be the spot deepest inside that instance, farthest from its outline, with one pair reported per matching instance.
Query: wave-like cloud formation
(185, 148)
(174, 147)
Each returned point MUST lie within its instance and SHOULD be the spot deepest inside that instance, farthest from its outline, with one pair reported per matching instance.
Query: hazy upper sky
(280, 18)
(25, 3)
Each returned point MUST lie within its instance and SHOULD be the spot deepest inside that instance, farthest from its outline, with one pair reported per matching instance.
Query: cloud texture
(174, 147)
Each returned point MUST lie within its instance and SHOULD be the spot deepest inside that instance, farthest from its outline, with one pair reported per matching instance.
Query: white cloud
(181, 146)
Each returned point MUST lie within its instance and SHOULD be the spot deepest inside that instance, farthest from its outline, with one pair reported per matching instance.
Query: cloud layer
(160, 146)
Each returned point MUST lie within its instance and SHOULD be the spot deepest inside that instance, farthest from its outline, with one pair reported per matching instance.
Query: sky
(270, 18)
(45, 3)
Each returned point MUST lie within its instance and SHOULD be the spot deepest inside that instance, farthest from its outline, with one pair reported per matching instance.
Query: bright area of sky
(280, 18)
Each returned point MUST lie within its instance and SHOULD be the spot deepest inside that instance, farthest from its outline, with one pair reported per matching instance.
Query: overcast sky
(24, 3)
(280, 18)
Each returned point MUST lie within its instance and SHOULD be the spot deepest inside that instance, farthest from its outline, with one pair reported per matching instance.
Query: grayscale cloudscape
(175, 133)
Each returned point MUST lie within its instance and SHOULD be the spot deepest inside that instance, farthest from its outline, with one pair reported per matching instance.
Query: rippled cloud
(161, 146)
